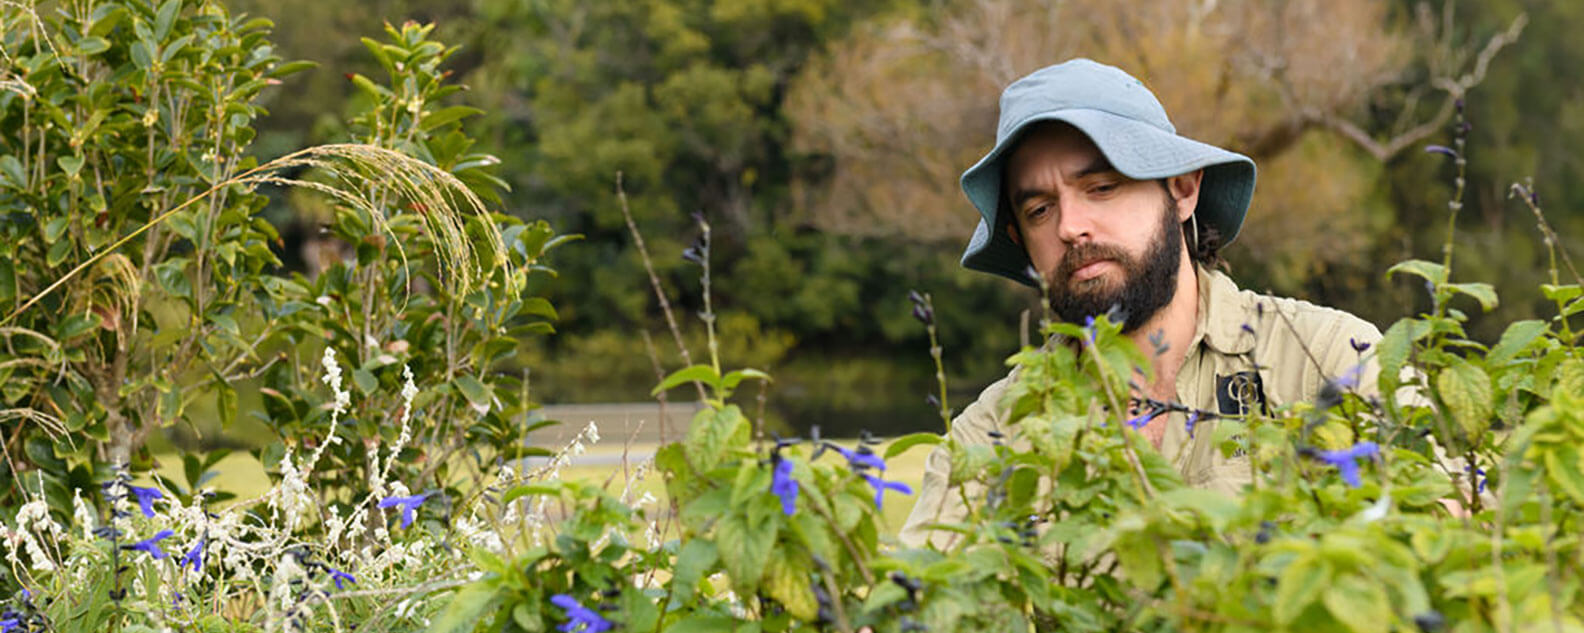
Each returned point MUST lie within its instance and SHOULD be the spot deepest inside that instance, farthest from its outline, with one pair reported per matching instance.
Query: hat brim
(1137, 150)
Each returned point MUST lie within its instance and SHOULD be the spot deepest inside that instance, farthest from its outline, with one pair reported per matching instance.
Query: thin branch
(654, 281)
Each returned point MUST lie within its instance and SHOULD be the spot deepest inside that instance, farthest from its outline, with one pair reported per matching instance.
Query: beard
(1148, 283)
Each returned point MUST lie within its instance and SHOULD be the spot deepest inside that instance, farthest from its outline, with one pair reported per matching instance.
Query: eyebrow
(1099, 166)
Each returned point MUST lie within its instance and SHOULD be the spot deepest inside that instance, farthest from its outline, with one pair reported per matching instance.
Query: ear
(1014, 234)
(1185, 190)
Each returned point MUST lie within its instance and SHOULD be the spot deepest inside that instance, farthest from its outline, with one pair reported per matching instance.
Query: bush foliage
(142, 290)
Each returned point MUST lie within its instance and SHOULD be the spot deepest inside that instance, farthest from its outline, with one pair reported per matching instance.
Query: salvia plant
(138, 279)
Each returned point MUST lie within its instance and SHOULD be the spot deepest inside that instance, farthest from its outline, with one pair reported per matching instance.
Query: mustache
(1085, 254)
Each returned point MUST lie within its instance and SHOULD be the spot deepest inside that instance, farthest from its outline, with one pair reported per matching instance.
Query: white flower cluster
(32, 522)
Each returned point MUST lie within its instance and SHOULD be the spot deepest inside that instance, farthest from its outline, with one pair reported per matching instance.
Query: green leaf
(732, 379)
(365, 381)
(1393, 350)
(1563, 465)
(70, 164)
(475, 391)
(1429, 271)
(1299, 585)
(1483, 292)
(1466, 390)
(1358, 604)
(787, 580)
(745, 550)
(466, 608)
(1515, 339)
(446, 115)
(11, 173)
(902, 444)
(695, 559)
(76, 325)
(290, 68)
(700, 373)
(539, 306)
(712, 434)
(697, 623)
(165, 18)
(1552, 292)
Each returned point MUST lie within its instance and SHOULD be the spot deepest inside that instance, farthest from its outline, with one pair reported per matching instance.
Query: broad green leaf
(472, 389)
(733, 378)
(467, 606)
(1358, 604)
(1466, 389)
(1566, 471)
(1518, 336)
(1299, 585)
(1429, 271)
(1483, 292)
(712, 434)
(1394, 348)
(446, 115)
(1554, 292)
(902, 444)
(76, 325)
(165, 18)
(539, 306)
(787, 580)
(694, 561)
(11, 173)
(744, 550)
(700, 373)
(883, 595)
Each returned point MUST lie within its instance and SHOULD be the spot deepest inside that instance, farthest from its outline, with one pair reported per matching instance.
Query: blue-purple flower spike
(1346, 460)
(408, 506)
(145, 498)
(194, 557)
(881, 486)
(340, 576)
(151, 544)
(580, 619)
(1193, 418)
(784, 486)
(859, 460)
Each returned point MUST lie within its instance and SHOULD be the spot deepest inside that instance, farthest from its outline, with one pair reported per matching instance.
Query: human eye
(1036, 211)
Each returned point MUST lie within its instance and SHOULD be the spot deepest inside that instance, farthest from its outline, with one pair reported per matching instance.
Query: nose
(1076, 221)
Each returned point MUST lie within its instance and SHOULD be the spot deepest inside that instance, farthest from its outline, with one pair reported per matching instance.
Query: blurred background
(823, 140)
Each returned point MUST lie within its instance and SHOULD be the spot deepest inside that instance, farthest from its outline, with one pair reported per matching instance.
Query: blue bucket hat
(1129, 126)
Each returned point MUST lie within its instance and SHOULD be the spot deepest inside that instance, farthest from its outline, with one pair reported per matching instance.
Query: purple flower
(861, 458)
(1346, 461)
(1193, 418)
(1358, 346)
(881, 486)
(1441, 149)
(1140, 421)
(1477, 475)
(146, 497)
(339, 576)
(150, 544)
(783, 485)
(580, 619)
(408, 506)
(10, 624)
(194, 556)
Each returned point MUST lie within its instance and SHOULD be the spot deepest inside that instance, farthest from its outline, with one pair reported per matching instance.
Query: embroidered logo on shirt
(1240, 394)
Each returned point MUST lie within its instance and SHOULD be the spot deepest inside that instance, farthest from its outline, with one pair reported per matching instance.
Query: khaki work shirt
(1249, 352)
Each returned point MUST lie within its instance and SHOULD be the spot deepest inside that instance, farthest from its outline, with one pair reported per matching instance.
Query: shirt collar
(1226, 319)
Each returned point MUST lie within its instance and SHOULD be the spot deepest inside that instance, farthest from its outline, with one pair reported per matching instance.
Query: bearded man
(1090, 187)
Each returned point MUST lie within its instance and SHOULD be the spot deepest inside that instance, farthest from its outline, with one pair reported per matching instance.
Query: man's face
(1099, 238)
